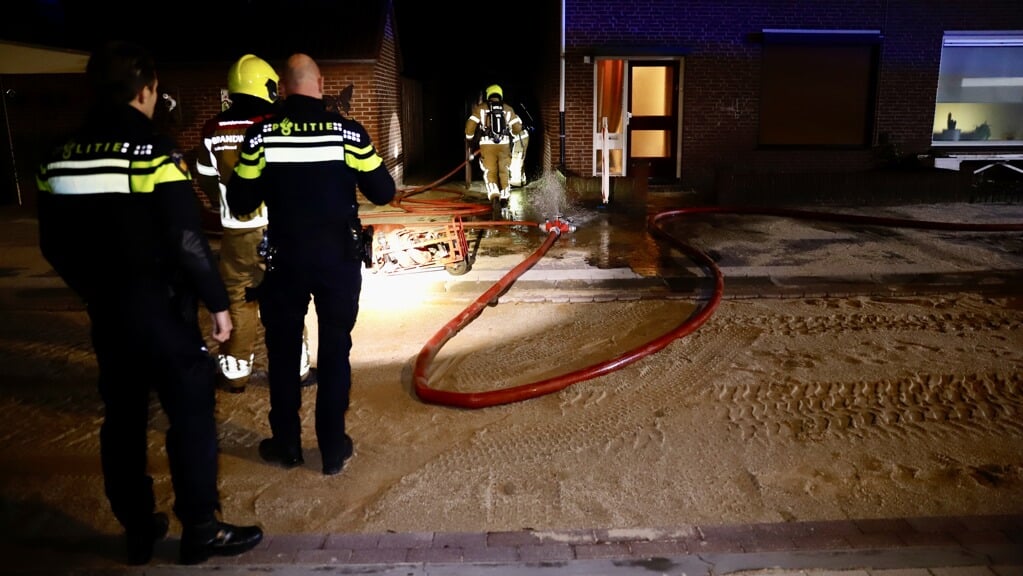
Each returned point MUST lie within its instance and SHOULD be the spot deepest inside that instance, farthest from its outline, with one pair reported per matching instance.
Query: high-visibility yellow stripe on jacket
(280, 144)
(307, 163)
(118, 214)
(109, 175)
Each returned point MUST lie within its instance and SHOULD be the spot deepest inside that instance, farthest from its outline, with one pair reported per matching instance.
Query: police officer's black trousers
(283, 306)
(145, 342)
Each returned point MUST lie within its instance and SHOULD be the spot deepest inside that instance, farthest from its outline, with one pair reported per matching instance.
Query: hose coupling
(558, 225)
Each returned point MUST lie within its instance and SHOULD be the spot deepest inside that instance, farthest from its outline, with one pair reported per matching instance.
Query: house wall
(384, 109)
(722, 69)
(41, 109)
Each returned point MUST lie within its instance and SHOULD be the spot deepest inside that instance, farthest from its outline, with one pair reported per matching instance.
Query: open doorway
(637, 117)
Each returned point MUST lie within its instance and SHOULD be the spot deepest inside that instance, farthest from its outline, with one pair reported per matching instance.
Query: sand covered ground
(774, 410)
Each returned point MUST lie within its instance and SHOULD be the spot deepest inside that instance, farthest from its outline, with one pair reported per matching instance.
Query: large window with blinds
(979, 101)
(818, 87)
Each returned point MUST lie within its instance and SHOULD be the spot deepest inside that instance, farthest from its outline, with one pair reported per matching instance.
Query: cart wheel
(458, 268)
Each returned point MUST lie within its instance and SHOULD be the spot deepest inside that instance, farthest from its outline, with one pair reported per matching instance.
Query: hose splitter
(558, 226)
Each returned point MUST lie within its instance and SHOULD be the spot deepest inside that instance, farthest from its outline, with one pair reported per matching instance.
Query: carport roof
(190, 31)
(18, 58)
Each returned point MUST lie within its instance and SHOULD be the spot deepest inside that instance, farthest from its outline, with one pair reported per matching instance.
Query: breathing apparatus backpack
(496, 124)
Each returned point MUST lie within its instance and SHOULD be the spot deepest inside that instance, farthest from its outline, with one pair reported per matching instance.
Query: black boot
(332, 466)
(215, 538)
(139, 539)
(273, 452)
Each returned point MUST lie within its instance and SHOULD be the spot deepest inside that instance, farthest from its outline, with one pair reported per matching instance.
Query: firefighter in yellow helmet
(252, 86)
(496, 125)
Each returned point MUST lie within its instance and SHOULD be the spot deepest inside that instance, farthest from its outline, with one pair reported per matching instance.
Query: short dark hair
(117, 70)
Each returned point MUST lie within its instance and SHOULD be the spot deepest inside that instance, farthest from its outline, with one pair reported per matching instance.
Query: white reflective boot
(306, 366)
(493, 191)
(516, 171)
(505, 194)
(234, 371)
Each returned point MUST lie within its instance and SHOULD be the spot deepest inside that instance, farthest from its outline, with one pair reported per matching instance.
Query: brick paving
(959, 546)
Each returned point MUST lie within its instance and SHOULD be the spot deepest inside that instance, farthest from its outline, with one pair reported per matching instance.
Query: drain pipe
(561, 97)
(4, 93)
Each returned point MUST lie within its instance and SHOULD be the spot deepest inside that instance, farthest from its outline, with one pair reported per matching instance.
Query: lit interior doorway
(637, 117)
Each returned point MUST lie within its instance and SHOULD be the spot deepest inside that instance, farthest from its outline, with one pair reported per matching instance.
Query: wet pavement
(609, 256)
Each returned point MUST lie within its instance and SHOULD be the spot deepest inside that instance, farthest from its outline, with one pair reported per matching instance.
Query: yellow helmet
(253, 76)
(494, 89)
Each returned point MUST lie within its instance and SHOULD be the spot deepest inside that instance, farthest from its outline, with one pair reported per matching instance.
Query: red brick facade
(721, 96)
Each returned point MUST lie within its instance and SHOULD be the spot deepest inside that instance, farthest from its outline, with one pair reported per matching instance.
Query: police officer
(119, 222)
(252, 86)
(497, 124)
(305, 164)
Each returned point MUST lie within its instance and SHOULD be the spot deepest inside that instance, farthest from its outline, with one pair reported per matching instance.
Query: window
(817, 87)
(980, 90)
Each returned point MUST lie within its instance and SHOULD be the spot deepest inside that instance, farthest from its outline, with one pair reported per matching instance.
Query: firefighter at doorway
(252, 86)
(496, 125)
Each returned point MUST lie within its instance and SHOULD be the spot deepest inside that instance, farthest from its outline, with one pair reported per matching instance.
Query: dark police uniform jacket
(306, 164)
(117, 213)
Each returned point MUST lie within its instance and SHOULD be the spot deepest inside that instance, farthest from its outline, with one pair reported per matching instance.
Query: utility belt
(357, 246)
(360, 243)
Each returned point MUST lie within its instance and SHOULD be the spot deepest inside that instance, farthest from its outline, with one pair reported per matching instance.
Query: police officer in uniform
(119, 222)
(306, 163)
(252, 85)
(497, 124)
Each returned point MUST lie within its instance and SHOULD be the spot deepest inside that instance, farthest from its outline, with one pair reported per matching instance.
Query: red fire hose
(687, 326)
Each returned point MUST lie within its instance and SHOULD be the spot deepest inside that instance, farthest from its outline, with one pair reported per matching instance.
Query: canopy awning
(18, 58)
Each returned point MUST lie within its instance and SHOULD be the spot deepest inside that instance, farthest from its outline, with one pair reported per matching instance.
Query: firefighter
(307, 164)
(252, 86)
(517, 168)
(119, 222)
(494, 124)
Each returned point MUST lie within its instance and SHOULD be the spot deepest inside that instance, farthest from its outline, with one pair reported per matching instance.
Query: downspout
(561, 97)
(4, 92)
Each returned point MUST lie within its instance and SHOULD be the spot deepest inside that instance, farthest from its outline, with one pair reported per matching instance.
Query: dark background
(465, 48)
(454, 49)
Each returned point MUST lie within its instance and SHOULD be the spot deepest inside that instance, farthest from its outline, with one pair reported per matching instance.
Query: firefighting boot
(234, 372)
(493, 192)
(307, 374)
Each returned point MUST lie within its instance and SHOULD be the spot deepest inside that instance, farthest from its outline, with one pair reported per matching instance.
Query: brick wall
(41, 110)
(46, 108)
(722, 69)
